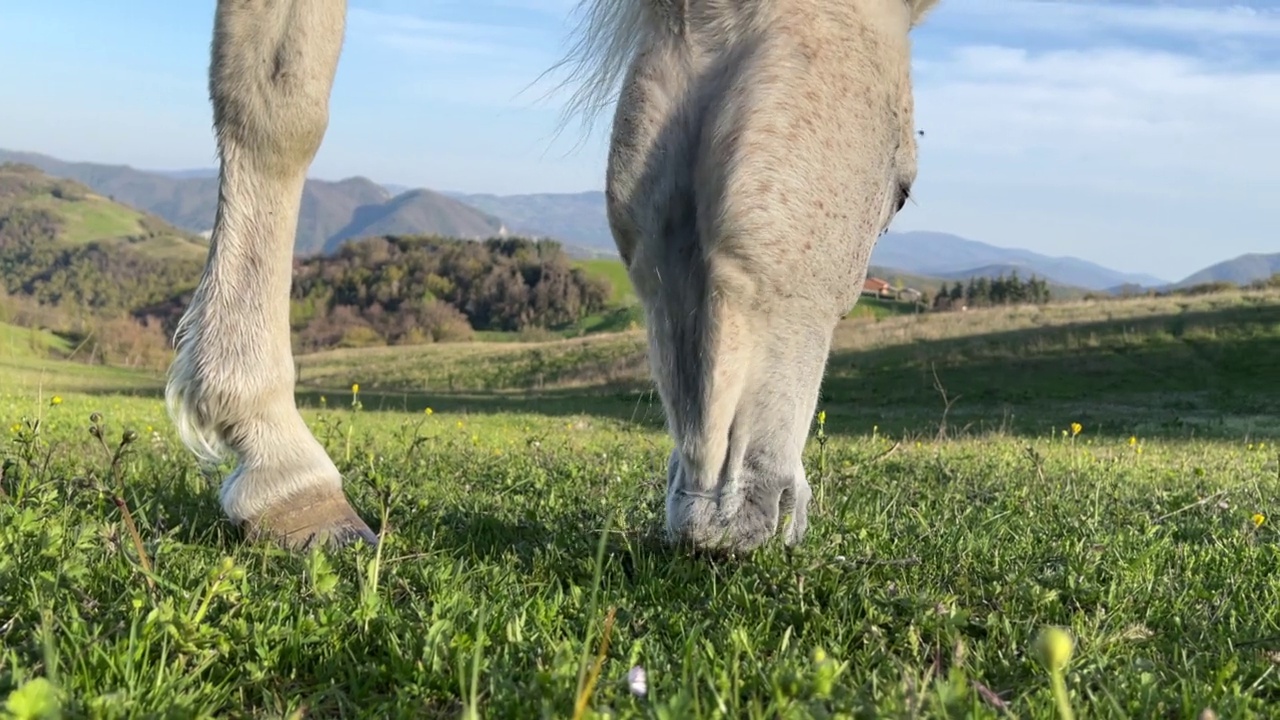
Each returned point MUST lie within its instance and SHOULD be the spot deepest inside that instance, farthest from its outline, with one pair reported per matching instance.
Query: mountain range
(332, 212)
(336, 211)
(955, 258)
(1242, 270)
(580, 218)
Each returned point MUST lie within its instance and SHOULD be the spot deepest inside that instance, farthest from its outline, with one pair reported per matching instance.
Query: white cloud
(1199, 21)
(1141, 158)
(420, 35)
(1125, 107)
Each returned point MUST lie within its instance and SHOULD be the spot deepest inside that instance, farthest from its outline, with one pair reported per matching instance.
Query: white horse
(759, 148)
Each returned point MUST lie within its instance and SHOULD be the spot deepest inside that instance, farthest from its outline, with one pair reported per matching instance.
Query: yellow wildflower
(55, 400)
(1258, 519)
(1132, 441)
(1076, 428)
(429, 411)
(355, 387)
(1054, 646)
(822, 416)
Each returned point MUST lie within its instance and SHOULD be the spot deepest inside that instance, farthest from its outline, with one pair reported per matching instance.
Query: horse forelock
(609, 33)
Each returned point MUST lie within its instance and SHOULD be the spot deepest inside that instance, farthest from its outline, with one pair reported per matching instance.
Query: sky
(1139, 135)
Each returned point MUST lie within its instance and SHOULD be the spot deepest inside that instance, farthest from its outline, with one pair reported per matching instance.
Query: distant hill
(63, 245)
(577, 218)
(580, 218)
(192, 173)
(415, 212)
(65, 213)
(80, 265)
(950, 256)
(1241, 271)
(331, 211)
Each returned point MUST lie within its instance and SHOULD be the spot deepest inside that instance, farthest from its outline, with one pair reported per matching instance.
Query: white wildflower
(636, 681)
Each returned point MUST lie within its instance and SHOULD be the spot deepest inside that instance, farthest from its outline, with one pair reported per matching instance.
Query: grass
(520, 524)
(613, 319)
(22, 343)
(35, 364)
(1202, 365)
(874, 308)
(94, 218)
(478, 366)
(616, 273)
(171, 247)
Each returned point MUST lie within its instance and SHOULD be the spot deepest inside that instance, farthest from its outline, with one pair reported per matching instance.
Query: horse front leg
(232, 381)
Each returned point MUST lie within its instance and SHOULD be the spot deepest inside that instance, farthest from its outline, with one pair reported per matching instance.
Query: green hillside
(35, 204)
(23, 343)
(92, 217)
(120, 277)
(616, 273)
(65, 249)
(80, 263)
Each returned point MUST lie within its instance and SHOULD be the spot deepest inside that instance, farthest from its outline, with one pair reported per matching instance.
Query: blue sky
(1141, 135)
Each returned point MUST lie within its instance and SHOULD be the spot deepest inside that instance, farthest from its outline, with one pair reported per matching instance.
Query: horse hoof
(312, 519)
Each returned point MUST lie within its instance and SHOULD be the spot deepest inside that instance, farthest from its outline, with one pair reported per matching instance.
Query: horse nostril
(904, 192)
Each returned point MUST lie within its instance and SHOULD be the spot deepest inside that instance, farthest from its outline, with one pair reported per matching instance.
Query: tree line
(414, 289)
(988, 292)
(380, 290)
(107, 277)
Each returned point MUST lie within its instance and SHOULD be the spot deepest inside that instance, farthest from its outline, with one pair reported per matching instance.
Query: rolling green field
(616, 273)
(92, 218)
(1109, 468)
(30, 344)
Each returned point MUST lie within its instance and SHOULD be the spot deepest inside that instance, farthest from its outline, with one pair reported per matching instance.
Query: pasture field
(616, 273)
(1110, 468)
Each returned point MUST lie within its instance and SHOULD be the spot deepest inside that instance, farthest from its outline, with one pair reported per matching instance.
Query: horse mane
(920, 8)
(607, 36)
